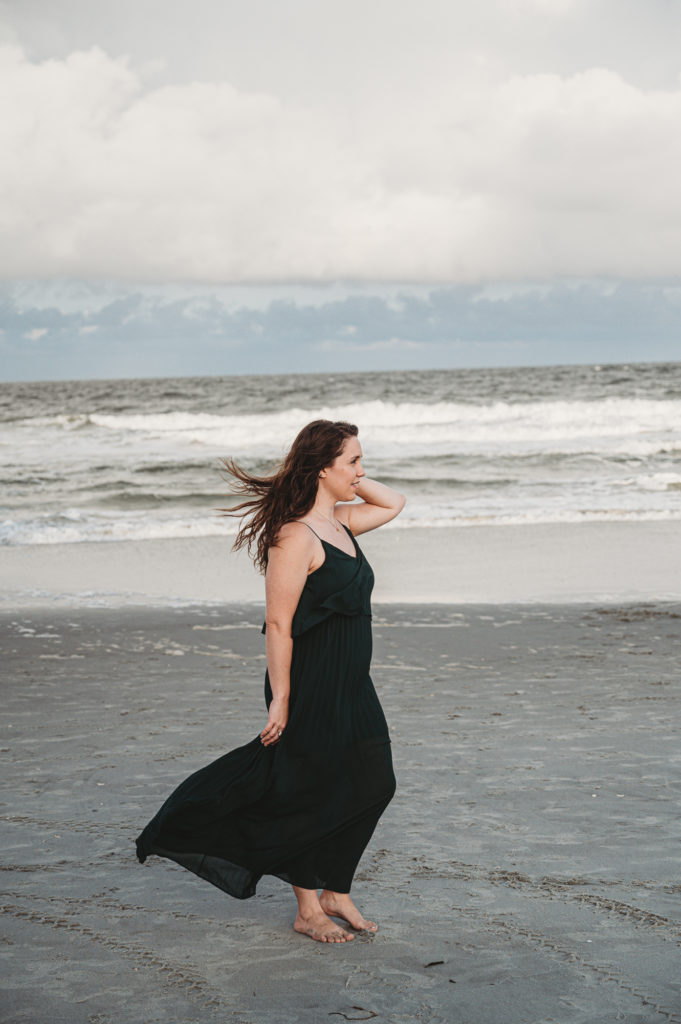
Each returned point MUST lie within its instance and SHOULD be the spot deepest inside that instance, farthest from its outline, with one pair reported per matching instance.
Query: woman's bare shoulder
(294, 550)
(295, 535)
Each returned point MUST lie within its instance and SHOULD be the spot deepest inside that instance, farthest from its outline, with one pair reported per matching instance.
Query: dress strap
(309, 528)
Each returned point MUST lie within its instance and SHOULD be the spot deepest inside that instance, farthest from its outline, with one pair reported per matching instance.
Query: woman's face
(343, 475)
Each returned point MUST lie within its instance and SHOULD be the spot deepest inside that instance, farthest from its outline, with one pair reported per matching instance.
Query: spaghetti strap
(302, 523)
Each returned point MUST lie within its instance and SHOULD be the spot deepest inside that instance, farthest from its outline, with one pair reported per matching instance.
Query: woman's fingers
(272, 732)
(276, 722)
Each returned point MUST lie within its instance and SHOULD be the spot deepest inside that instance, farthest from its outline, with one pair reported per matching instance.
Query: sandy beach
(526, 872)
(549, 562)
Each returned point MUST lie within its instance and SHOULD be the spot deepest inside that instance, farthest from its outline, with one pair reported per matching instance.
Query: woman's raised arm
(379, 505)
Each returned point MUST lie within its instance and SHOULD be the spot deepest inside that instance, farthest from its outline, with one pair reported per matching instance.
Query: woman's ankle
(308, 900)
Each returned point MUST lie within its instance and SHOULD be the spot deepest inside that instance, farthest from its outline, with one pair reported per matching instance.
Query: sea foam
(138, 460)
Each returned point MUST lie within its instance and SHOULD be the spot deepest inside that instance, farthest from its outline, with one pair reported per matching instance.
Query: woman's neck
(324, 504)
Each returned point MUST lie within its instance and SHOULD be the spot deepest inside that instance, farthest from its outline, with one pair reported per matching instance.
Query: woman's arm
(287, 568)
(379, 505)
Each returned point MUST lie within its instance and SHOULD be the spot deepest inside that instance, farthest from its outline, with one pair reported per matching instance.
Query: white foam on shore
(73, 526)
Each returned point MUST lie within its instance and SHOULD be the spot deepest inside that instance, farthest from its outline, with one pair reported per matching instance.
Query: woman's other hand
(276, 721)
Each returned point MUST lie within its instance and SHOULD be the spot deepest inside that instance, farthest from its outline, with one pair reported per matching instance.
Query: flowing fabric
(305, 808)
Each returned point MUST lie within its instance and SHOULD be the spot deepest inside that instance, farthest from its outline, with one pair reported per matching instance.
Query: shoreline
(557, 562)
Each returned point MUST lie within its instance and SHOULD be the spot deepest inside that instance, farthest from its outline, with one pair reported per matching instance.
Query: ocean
(136, 459)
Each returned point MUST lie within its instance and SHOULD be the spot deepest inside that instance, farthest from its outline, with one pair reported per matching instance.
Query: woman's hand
(276, 721)
(379, 505)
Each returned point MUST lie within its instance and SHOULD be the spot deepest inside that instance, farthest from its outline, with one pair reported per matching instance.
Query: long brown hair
(289, 492)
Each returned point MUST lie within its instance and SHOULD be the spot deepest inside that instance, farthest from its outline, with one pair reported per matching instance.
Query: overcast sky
(229, 187)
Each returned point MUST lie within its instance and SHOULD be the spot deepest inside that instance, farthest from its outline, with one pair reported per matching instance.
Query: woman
(303, 798)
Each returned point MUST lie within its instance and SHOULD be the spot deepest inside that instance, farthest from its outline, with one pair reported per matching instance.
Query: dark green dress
(305, 808)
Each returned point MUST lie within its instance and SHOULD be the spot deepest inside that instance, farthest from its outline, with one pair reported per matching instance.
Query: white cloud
(525, 175)
(150, 333)
(384, 345)
(549, 7)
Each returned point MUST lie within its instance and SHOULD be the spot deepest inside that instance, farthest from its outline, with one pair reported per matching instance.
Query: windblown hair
(290, 492)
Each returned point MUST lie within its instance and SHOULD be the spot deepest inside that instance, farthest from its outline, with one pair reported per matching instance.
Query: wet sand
(527, 871)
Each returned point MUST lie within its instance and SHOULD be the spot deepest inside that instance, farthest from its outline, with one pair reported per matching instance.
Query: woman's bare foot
(339, 904)
(321, 928)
